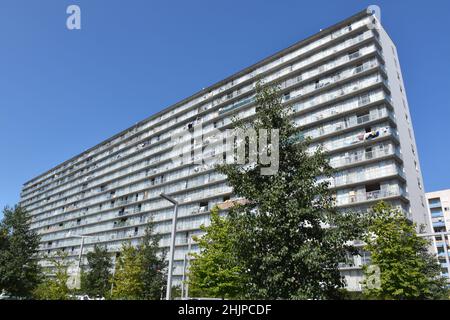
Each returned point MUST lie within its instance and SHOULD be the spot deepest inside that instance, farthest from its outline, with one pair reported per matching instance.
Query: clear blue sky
(63, 91)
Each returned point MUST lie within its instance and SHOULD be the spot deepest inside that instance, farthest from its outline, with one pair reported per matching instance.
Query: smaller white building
(439, 207)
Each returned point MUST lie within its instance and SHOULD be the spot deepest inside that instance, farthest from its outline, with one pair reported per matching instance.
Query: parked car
(4, 296)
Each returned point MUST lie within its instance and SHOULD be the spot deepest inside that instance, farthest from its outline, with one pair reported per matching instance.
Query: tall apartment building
(346, 89)
(439, 204)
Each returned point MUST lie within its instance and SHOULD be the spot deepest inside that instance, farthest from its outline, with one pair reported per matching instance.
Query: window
(434, 201)
(358, 69)
(138, 208)
(362, 117)
(373, 187)
(203, 206)
(364, 99)
(353, 54)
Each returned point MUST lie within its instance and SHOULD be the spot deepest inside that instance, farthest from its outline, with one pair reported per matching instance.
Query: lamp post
(82, 237)
(172, 243)
(186, 261)
(188, 265)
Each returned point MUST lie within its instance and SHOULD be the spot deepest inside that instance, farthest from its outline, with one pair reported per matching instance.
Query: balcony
(356, 199)
(440, 244)
(435, 204)
(437, 214)
(348, 124)
(368, 174)
(351, 141)
(362, 156)
(438, 224)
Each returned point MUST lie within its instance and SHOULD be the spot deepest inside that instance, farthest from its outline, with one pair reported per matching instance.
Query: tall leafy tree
(215, 270)
(19, 270)
(54, 285)
(127, 280)
(96, 281)
(154, 265)
(406, 268)
(280, 237)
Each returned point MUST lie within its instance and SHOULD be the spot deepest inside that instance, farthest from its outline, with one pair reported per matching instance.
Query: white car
(4, 296)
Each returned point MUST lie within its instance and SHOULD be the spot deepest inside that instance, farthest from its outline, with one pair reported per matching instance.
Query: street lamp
(82, 237)
(172, 243)
(186, 264)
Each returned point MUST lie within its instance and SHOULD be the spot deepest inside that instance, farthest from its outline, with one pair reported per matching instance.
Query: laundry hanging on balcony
(371, 135)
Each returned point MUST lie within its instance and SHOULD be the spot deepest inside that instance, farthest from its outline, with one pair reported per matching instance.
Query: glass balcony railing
(438, 224)
(435, 204)
(348, 123)
(437, 214)
(368, 196)
(441, 244)
(354, 139)
(360, 176)
(361, 156)
(348, 105)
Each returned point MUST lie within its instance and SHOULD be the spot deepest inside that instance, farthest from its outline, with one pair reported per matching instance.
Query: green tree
(19, 270)
(215, 271)
(54, 286)
(127, 280)
(154, 265)
(96, 281)
(279, 234)
(407, 269)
